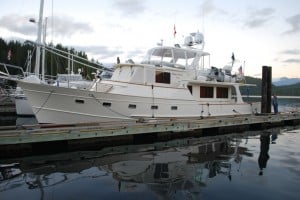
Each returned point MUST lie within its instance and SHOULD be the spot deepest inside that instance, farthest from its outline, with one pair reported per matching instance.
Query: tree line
(17, 53)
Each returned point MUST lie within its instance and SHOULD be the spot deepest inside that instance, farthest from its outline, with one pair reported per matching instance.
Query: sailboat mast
(43, 52)
(39, 36)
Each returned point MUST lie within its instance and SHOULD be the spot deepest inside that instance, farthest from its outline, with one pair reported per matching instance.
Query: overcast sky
(259, 32)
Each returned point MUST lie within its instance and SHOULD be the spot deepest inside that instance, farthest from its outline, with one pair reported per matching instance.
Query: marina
(173, 125)
(90, 116)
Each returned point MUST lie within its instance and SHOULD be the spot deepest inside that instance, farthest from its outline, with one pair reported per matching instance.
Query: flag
(241, 70)
(174, 31)
(232, 57)
(9, 55)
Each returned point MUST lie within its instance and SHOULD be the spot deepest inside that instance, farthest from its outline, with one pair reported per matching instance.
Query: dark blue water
(251, 165)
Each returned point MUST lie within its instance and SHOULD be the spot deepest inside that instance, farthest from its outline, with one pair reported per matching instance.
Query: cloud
(294, 21)
(259, 17)
(18, 24)
(254, 23)
(63, 26)
(263, 12)
(103, 52)
(135, 53)
(291, 60)
(292, 51)
(66, 27)
(208, 7)
(111, 53)
(130, 8)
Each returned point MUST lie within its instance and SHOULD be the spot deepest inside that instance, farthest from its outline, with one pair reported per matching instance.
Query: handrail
(7, 69)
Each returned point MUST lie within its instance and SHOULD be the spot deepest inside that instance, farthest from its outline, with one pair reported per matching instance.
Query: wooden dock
(32, 139)
(7, 107)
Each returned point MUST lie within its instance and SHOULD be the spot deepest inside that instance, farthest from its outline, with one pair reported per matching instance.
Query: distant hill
(285, 90)
(288, 90)
(286, 81)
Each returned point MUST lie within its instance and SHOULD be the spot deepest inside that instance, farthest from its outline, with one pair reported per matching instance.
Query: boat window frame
(132, 106)
(106, 104)
(221, 93)
(190, 88)
(162, 77)
(174, 107)
(206, 91)
(79, 101)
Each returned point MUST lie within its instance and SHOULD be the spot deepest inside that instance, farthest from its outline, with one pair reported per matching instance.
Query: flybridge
(185, 58)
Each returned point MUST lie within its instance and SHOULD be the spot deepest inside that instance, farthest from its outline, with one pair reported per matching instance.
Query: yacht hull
(60, 105)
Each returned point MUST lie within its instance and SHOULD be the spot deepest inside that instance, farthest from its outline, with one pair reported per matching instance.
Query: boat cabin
(164, 65)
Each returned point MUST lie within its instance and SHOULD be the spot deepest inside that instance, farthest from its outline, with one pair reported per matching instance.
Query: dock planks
(12, 135)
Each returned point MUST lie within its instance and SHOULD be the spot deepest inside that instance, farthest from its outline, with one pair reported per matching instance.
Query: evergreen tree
(54, 64)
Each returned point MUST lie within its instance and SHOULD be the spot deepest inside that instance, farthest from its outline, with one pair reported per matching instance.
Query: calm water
(252, 165)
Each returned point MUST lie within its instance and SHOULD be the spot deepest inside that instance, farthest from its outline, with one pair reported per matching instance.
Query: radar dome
(188, 40)
(199, 38)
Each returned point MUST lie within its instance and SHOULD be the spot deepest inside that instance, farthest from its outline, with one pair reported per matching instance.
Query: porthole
(154, 107)
(106, 104)
(79, 101)
(132, 106)
(174, 107)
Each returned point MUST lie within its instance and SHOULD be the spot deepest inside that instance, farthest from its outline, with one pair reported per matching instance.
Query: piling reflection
(264, 152)
(179, 168)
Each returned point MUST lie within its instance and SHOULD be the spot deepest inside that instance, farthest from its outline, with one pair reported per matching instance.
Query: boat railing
(11, 71)
(70, 56)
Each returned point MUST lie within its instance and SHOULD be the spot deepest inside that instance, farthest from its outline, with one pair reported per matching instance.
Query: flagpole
(244, 70)
(174, 34)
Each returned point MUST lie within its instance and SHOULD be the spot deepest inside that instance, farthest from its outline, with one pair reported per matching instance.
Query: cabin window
(174, 108)
(190, 88)
(206, 92)
(154, 107)
(106, 104)
(162, 77)
(79, 101)
(132, 106)
(222, 92)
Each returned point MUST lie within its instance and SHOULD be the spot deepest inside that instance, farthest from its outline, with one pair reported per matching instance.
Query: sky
(258, 32)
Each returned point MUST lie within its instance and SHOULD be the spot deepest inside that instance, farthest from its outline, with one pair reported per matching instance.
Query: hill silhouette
(286, 90)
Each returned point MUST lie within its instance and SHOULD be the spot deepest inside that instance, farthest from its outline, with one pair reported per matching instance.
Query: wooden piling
(266, 89)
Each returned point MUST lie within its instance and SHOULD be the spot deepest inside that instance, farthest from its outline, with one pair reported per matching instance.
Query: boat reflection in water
(179, 168)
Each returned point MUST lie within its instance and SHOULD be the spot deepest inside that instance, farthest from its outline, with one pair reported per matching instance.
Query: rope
(44, 102)
(28, 119)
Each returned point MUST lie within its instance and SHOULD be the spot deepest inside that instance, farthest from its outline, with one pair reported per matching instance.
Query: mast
(43, 52)
(39, 35)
